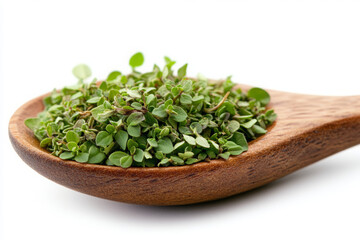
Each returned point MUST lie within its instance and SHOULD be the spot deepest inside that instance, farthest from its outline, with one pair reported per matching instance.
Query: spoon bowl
(308, 128)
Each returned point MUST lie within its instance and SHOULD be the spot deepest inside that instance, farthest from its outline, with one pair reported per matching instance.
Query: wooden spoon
(308, 129)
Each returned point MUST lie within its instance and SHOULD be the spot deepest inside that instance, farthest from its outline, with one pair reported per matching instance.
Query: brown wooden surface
(308, 129)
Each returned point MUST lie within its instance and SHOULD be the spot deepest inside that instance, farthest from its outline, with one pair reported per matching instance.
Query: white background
(299, 46)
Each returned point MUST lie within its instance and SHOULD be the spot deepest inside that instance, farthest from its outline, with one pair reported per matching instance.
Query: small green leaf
(101, 113)
(211, 154)
(109, 163)
(103, 139)
(185, 130)
(81, 71)
(214, 144)
(177, 161)
(198, 98)
(233, 148)
(225, 155)
(160, 111)
(131, 143)
(239, 139)
(179, 115)
(168, 103)
(67, 155)
(260, 95)
(121, 138)
(136, 105)
(165, 72)
(93, 100)
(32, 123)
(152, 142)
(82, 157)
(229, 107)
(201, 141)
(187, 85)
(159, 155)
(164, 132)
(196, 127)
(185, 99)
(136, 60)
(249, 124)
(169, 62)
(270, 115)
(113, 75)
(135, 118)
(132, 150)
(95, 156)
(72, 146)
(186, 155)
(110, 128)
(179, 144)
(139, 155)
(45, 142)
(165, 145)
(202, 156)
(134, 131)
(258, 130)
(182, 72)
(233, 126)
(85, 147)
(72, 136)
(150, 99)
(103, 86)
(190, 140)
(164, 162)
(147, 155)
(112, 94)
(123, 80)
(116, 156)
(133, 93)
(192, 161)
(77, 96)
(126, 161)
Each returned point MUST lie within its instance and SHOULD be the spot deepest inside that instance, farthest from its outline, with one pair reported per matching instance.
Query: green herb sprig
(150, 119)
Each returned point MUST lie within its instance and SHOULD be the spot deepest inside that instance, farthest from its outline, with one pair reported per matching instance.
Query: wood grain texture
(308, 128)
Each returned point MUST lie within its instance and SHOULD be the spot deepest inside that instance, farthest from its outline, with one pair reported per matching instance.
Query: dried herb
(150, 119)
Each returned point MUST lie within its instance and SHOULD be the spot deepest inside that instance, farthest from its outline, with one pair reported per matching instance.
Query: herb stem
(209, 110)
(177, 96)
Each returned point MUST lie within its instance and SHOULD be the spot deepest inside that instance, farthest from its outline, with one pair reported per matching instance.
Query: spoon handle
(297, 112)
(309, 128)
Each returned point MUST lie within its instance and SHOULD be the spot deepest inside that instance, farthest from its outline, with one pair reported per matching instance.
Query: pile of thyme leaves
(150, 119)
